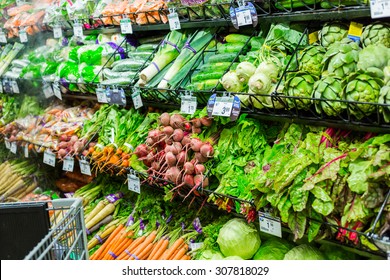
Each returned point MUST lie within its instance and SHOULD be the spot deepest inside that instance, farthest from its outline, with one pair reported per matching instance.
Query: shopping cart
(66, 239)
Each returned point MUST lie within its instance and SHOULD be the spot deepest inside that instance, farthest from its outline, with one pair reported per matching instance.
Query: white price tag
(188, 105)
(270, 224)
(85, 168)
(23, 36)
(380, 8)
(244, 16)
(1, 87)
(223, 106)
(26, 150)
(15, 87)
(126, 27)
(57, 31)
(7, 144)
(57, 91)
(174, 22)
(137, 100)
(49, 158)
(47, 90)
(101, 95)
(3, 38)
(68, 164)
(195, 245)
(13, 148)
(78, 29)
(133, 183)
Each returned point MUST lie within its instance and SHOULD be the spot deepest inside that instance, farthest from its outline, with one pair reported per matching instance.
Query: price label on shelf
(380, 8)
(133, 183)
(47, 90)
(68, 164)
(13, 148)
(101, 95)
(223, 106)
(26, 150)
(1, 87)
(57, 31)
(78, 29)
(174, 22)
(270, 224)
(137, 99)
(57, 90)
(14, 86)
(85, 168)
(116, 96)
(188, 104)
(3, 38)
(49, 158)
(126, 27)
(243, 16)
(7, 144)
(23, 36)
(195, 245)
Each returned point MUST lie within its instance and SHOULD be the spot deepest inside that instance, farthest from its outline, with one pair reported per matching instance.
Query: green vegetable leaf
(323, 207)
(355, 211)
(297, 224)
(357, 180)
(284, 206)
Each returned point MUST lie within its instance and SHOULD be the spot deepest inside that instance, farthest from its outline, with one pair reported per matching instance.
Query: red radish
(170, 159)
(64, 138)
(155, 134)
(186, 140)
(200, 158)
(177, 147)
(62, 153)
(199, 169)
(196, 143)
(149, 141)
(187, 127)
(73, 139)
(188, 180)
(206, 121)
(164, 119)
(168, 130)
(168, 141)
(62, 145)
(142, 150)
(200, 181)
(177, 121)
(188, 168)
(169, 149)
(196, 122)
(150, 157)
(196, 130)
(207, 150)
(181, 158)
(147, 163)
(155, 165)
(77, 147)
(172, 174)
(177, 135)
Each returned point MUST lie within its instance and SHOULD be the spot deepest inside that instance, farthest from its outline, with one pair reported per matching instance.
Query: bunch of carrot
(108, 158)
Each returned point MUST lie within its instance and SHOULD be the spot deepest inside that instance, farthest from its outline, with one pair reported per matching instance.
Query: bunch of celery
(6, 61)
(167, 52)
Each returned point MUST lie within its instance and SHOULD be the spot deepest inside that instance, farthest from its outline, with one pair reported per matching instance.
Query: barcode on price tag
(3, 38)
(126, 27)
(26, 151)
(7, 144)
(137, 100)
(270, 224)
(85, 168)
(101, 95)
(133, 183)
(57, 91)
(23, 36)
(68, 164)
(13, 148)
(174, 22)
(188, 104)
(57, 31)
(380, 8)
(49, 158)
(223, 106)
(15, 87)
(244, 16)
(78, 29)
(47, 90)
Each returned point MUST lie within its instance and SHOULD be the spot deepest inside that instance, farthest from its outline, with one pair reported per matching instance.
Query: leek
(17, 47)
(192, 48)
(166, 53)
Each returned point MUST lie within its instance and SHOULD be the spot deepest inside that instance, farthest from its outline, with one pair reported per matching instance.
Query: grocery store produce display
(310, 145)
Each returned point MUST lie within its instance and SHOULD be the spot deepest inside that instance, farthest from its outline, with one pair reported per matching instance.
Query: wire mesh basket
(67, 238)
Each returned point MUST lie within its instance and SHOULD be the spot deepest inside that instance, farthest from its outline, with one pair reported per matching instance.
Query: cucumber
(222, 57)
(109, 74)
(147, 47)
(207, 76)
(127, 60)
(216, 67)
(117, 81)
(140, 55)
(230, 47)
(237, 38)
(128, 65)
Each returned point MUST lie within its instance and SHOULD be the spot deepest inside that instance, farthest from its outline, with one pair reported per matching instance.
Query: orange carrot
(109, 244)
(161, 250)
(172, 249)
(143, 255)
(181, 252)
(144, 244)
(156, 246)
(127, 252)
(99, 251)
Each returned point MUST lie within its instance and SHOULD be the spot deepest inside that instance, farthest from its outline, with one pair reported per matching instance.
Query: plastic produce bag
(99, 54)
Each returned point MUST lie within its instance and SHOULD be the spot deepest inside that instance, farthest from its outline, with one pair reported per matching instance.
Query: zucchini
(222, 57)
(147, 47)
(207, 76)
(109, 74)
(237, 38)
(230, 47)
(128, 65)
(117, 81)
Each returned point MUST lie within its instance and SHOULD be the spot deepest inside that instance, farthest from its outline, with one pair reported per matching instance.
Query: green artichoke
(310, 60)
(329, 87)
(341, 58)
(373, 59)
(299, 84)
(375, 33)
(332, 32)
(362, 87)
(384, 98)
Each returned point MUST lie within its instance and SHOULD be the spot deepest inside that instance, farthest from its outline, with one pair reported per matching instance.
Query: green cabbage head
(304, 252)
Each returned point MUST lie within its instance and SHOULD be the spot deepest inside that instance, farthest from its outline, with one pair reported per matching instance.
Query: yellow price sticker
(355, 31)
(313, 37)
